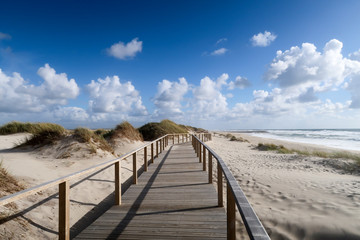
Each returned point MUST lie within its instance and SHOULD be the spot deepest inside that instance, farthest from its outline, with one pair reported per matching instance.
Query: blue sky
(212, 64)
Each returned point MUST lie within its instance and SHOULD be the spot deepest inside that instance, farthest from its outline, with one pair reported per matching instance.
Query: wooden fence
(234, 194)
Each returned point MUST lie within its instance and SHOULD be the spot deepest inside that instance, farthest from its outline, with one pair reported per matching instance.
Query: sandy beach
(36, 216)
(295, 197)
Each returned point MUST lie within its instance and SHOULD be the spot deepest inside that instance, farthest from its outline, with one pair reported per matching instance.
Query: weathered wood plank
(172, 200)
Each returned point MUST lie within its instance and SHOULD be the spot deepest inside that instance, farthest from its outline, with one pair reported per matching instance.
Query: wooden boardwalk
(173, 200)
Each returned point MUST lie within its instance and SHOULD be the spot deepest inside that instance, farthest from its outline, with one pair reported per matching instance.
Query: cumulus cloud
(303, 71)
(4, 36)
(263, 39)
(109, 95)
(124, 51)
(169, 96)
(219, 51)
(17, 95)
(208, 100)
(71, 113)
(240, 82)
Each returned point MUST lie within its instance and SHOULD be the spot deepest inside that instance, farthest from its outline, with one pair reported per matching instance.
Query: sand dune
(37, 214)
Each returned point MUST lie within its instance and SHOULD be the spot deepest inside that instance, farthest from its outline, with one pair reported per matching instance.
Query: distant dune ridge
(296, 195)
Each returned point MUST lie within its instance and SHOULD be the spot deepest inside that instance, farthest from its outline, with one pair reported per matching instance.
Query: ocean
(347, 139)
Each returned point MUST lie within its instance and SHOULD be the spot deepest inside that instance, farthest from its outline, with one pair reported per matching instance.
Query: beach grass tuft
(125, 130)
(321, 154)
(8, 184)
(85, 135)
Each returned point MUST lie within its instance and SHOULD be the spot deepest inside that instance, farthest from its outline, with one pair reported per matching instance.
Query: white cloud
(4, 36)
(56, 87)
(17, 95)
(221, 40)
(121, 51)
(109, 95)
(263, 39)
(219, 51)
(222, 80)
(71, 113)
(354, 88)
(169, 96)
(208, 100)
(240, 82)
(355, 55)
(303, 71)
(332, 108)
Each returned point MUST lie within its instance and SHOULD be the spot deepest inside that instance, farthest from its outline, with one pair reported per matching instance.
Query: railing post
(173, 138)
(64, 210)
(160, 145)
(231, 234)
(157, 148)
(178, 138)
(199, 152)
(210, 167)
(152, 152)
(220, 186)
(145, 159)
(134, 169)
(204, 158)
(183, 138)
(118, 183)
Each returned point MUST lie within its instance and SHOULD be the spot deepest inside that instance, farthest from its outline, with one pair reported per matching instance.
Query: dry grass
(125, 130)
(8, 184)
(332, 155)
(85, 135)
(34, 128)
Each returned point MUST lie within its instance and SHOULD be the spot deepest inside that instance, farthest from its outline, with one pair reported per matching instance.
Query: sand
(295, 197)
(36, 217)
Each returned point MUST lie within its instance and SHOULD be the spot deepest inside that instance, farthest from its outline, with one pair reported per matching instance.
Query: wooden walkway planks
(173, 200)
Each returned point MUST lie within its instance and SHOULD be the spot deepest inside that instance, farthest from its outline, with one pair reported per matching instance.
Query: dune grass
(125, 130)
(321, 154)
(43, 133)
(85, 135)
(8, 184)
(34, 128)
(154, 130)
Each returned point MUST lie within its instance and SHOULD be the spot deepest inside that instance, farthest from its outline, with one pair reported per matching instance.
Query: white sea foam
(347, 139)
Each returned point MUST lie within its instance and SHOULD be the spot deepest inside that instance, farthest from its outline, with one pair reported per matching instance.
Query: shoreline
(301, 146)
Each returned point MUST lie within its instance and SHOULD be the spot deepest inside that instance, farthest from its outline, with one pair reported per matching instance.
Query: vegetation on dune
(125, 130)
(34, 128)
(284, 150)
(154, 130)
(233, 138)
(8, 184)
(85, 135)
(44, 134)
(193, 129)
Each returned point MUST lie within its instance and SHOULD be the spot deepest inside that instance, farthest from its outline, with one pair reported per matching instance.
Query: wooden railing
(234, 194)
(64, 186)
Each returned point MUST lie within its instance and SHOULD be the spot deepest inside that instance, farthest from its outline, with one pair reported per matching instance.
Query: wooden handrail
(64, 187)
(235, 195)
